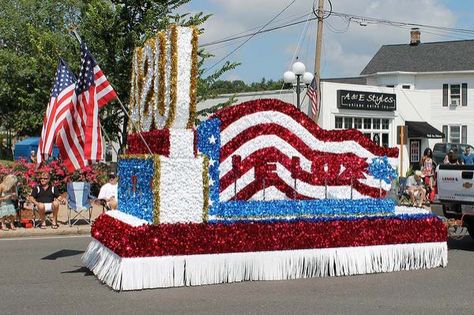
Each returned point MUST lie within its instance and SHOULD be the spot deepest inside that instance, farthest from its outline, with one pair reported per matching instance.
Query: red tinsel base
(192, 239)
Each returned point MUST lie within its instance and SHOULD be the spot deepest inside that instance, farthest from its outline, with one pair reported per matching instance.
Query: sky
(348, 43)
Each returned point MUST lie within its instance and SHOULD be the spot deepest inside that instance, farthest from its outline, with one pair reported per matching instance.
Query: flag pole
(108, 138)
(72, 29)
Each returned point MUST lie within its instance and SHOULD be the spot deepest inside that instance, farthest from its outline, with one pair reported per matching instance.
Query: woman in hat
(7, 195)
(416, 189)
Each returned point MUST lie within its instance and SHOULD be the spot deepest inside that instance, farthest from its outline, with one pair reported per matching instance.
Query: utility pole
(317, 58)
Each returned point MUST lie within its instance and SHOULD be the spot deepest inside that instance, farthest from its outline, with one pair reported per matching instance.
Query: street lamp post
(296, 75)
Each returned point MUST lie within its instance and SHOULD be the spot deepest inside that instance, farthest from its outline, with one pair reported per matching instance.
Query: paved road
(45, 276)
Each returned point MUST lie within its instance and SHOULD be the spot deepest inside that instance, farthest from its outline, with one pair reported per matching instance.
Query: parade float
(257, 191)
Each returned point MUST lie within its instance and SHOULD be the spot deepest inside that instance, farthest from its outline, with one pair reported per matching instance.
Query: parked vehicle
(441, 149)
(455, 184)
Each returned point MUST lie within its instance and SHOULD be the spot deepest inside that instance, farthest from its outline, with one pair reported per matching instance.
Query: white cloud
(347, 48)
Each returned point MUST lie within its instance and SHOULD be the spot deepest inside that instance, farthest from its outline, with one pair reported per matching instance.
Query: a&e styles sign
(366, 100)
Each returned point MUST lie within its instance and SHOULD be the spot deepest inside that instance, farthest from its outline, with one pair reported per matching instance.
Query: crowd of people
(420, 185)
(46, 199)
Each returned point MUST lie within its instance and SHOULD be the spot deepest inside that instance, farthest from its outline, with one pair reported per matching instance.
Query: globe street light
(297, 75)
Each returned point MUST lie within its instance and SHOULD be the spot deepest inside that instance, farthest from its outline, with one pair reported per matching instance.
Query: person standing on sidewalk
(7, 195)
(46, 198)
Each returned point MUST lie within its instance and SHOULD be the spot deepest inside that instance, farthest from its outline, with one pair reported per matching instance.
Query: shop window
(347, 122)
(375, 129)
(338, 124)
(367, 123)
(376, 123)
(385, 140)
(358, 123)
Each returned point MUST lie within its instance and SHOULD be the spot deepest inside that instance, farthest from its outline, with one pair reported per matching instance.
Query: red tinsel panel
(191, 239)
(158, 141)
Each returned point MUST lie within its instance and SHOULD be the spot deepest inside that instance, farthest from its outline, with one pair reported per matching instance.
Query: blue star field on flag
(64, 78)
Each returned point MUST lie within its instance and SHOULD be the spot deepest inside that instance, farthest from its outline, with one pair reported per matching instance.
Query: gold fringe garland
(205, 182)
(194, 74)
(162, 73)
(174, 76)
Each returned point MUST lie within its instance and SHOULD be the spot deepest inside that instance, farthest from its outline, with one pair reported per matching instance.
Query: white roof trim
(417, 73)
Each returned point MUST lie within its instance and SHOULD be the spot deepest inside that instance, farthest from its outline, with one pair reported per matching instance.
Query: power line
(238, 47)
(227, 39)
(350, 18)
(397, 23)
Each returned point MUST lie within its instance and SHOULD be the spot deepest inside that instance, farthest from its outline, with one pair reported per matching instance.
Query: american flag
(81, 140)
(61, 98)
(312, 93)
(268, 147)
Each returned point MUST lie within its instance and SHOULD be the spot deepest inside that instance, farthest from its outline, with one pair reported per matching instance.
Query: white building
(425, 86)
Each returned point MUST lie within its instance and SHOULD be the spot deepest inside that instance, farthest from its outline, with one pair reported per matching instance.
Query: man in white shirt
(108, 193)
(416, 189)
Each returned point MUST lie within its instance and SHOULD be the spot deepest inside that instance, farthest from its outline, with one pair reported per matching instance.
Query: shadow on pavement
(63, 253)
(465, 243)
(84, 270)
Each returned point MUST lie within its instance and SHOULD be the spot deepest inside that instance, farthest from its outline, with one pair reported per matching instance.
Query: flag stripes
(312, 93)
(61, 98)
(73, 121)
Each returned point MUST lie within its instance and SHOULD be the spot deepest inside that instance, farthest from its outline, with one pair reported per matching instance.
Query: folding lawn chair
(78, 201)
(403, 196)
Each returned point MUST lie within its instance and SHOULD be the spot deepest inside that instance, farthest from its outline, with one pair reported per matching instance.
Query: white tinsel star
(211, 162)
(212, 139)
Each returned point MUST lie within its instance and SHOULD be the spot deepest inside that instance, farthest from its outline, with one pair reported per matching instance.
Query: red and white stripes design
(81, 137)
(56, 113)
(271, 135)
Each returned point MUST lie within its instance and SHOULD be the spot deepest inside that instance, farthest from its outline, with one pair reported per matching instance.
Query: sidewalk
(80, 228)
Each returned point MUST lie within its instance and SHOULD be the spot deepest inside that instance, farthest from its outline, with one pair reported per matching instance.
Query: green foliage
(34, 33)
(238, 86)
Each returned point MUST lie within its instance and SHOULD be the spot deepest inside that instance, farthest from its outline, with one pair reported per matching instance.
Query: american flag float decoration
(256, 192)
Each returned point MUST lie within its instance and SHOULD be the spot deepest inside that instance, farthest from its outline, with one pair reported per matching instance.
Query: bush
(27, 174)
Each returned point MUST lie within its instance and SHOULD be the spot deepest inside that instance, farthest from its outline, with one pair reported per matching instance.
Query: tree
(34, 32)
(31, 36)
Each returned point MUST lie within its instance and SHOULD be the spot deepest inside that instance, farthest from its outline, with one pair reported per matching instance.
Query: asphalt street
(45, 276)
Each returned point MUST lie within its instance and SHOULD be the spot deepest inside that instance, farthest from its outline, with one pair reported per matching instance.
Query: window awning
(422, 129)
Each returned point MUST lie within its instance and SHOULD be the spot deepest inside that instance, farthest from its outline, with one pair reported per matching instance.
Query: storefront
(418, 134)
(379, 112)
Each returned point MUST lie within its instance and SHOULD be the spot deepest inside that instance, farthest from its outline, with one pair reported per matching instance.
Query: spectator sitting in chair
(46, 198)
(416, 189)
(108, 193)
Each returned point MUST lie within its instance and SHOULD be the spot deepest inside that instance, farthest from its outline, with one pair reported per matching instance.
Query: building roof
(350, 80)
(424, 57)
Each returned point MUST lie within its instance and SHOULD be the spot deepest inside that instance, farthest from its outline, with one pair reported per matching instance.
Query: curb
(33, 232)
